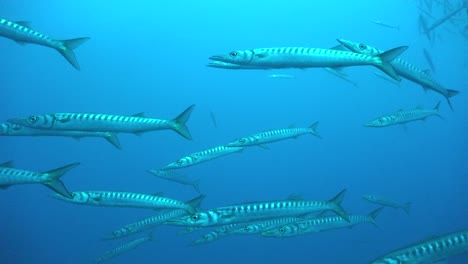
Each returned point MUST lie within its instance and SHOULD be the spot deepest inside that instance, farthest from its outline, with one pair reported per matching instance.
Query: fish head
(35, 121)
(183, 162)
(77, 197)
(360, 48)
(249, 229)
(5, 129)
(378, 122)
(242, 142)
(196, 219)
(224, 65)
(239, 57)
(283, 231)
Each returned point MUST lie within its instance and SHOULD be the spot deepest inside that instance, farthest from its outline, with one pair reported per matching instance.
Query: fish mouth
(175, 221)
(17, 121)
(344, 42)
(218, 58)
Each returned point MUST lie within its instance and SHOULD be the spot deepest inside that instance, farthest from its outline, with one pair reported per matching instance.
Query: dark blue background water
(151, 57)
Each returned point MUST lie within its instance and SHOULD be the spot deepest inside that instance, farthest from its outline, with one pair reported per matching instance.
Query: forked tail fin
(179, 123)
(67, 50)
(53, 180)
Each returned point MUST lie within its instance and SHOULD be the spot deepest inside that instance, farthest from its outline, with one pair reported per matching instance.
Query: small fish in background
(380, 23)
(281, 76)
(384, 77)
(124, 248)
(10, 176)
(22, 33)
(433, 250)
(404, 116)
(171, 176)
(384, 201)
(429, 60)
(213, 119)
(443, 19)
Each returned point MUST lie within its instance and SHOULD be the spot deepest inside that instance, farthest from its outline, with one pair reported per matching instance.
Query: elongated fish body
(11, 176)
(428, 251)
(104, 122)
(202, 156)
(385, 201)
(301, 57)
(21, 32)
(403, 117)
(217, 234)
(171, 176)
(320, 224)
(261, 226)
(404, 69)
(123, 249)
(258, 211)
(274, 135)
(125, 199)
(152, 221)
(233, 66)
(10, 129)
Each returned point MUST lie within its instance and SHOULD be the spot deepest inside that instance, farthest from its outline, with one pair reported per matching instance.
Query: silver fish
(171, 176)
(123, 249)
(380, 200)
(22, 33)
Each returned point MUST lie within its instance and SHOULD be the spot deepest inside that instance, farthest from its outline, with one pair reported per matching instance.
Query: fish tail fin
(53, 180)
(451, 93)
(196, 202)
(387, 57)
(313, 129)
(336, 201)
(196, 185)
(67, 50)
(179, 123)
(407, 208)
(113, 139)
(372, 215)
(436, 107)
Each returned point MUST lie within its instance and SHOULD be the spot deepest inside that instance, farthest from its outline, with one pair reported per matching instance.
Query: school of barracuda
(287, 217)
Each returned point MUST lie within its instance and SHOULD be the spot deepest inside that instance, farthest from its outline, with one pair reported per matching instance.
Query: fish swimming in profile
(22, 33)
(233, 66)
(171, 176)
(384, 201)
(123, 248)
(404, 116)
(301, 57)
(262, 226)
(251, 212)
(404, 69)
(383, 24)
(10, 176)
(270, 136)
(125, 199)
(429, 60)
(10, 129)
(319, 224)
(202, 156)
(153, 221)
(109, 123)
(217, 234)
(438, 22)
(428, 251)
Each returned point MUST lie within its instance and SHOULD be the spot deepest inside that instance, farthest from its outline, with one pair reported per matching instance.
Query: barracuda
(260, 211)
(404, 69)
(22, 33)
(170, 176)
(217, 234)
(301, 57)
(259, 227)
(274, 135)
(232, 66)
(380, 200)
(10, 176)
(108, 123)
(428, 251)
(152, 221)
(125, 199)
(202, 156)
(123, 249)
(9, 129)
(404, 116)
(321, 224)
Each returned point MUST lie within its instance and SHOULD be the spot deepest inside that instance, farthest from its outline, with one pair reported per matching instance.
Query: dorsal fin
(141, 114)
(339, 47)
(8, 164)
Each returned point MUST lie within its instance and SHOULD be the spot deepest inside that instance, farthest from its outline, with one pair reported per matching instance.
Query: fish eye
(380, 120)
(32, 119)
(242, 140)
(179, 162)
(195, 217)
(282, 230)
(362, 46)
(233, 54)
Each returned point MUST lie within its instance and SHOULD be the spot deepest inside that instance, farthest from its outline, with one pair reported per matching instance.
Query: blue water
(151, 56)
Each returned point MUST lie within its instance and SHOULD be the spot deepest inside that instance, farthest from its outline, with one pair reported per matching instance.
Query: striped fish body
(296, 57)
(21, 32)
(145, 224)
(170, 176)
(202, 156)
(273, 136)
(123, 249)
(384, 201)
(217, 234)
(403, 117)
(428, 251)
(231, 66)
(259, 227)
(125, 199)
(94, 122)
(12, 176)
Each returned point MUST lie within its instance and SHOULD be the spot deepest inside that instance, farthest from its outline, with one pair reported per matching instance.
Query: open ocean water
(151, 56)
